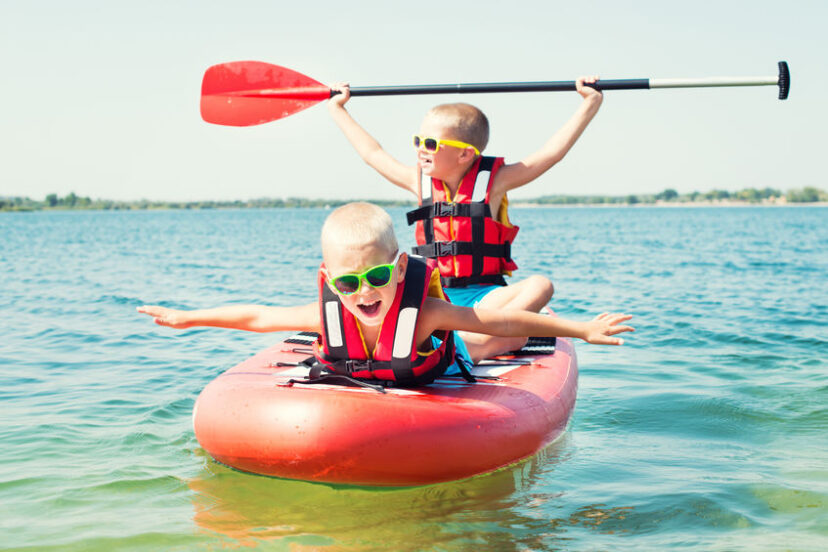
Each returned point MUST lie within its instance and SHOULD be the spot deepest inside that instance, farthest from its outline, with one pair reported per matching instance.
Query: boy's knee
(541, 287)
(517, 344)
(485, 346)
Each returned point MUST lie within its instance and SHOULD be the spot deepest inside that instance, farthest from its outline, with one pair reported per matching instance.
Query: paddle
(245, 93)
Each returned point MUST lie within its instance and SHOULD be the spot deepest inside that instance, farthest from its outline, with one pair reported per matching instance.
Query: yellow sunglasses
(432, 145)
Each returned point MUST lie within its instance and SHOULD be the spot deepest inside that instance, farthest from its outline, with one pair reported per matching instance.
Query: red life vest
(342, 350)
(470, 246)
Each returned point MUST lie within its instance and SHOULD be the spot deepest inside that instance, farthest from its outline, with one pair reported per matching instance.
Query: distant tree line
(747, 195)
(73, 201)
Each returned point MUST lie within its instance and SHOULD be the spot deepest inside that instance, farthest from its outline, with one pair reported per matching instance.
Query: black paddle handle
(784, 80)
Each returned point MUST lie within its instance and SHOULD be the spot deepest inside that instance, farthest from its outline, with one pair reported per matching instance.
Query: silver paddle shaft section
(782, 80)
(713, 81)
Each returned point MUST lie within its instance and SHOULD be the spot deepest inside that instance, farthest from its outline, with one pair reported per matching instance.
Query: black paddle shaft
(490, 87)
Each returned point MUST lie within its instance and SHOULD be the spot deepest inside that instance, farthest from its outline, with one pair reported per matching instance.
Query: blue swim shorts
(469, 296)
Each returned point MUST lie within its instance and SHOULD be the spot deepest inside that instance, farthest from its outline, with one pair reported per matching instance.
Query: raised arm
(441, 315)
(367, 147)
(517, 174)
(252, 318)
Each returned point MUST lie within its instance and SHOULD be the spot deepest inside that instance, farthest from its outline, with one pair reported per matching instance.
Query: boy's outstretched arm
(517, 174)
(252, 318)
(514, 323)
(366, 146)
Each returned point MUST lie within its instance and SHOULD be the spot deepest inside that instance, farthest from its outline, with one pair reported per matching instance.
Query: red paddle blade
(245, 93)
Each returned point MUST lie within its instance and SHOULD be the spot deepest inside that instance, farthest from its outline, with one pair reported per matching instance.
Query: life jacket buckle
(443, 209)
(352, 366)
(446, 249)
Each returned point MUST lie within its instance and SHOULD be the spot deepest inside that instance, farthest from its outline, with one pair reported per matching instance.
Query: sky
(101, 98)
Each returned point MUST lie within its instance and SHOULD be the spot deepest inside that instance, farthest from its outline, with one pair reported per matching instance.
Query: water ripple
(705, 431)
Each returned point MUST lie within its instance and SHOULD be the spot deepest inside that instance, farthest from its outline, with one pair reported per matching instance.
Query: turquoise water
(707, 431)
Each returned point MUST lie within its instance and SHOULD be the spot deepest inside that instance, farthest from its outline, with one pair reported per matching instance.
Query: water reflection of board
(253, 419)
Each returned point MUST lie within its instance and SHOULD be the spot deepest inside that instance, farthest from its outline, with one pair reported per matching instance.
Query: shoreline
(332, 205)
(747, 197)
(669, 205)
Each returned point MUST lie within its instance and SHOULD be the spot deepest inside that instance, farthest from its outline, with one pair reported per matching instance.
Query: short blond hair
(466, 122)
(359, 225)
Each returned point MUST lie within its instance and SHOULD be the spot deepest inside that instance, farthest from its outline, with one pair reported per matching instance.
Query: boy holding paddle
(364, 281)
(463, 220)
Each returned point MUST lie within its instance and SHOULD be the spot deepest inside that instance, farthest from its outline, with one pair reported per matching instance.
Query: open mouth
(370, 309)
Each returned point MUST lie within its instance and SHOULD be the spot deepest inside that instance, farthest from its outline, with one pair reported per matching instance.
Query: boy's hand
(339, 100)
(587, 92)
(604, 325)
(166, 317)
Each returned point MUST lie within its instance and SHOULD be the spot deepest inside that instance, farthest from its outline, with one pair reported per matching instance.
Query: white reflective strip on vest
(333, 325)
(404, 336)
(481, 184)
(425, 187)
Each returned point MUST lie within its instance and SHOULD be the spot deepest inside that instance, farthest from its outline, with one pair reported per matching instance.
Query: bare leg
(531, 294)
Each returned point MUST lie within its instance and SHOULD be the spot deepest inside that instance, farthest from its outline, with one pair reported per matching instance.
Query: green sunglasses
(376, 277)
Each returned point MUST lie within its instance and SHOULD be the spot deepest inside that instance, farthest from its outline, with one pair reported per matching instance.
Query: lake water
(706, 431)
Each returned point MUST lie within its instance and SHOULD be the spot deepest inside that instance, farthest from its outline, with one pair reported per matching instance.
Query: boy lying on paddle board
(382, 314)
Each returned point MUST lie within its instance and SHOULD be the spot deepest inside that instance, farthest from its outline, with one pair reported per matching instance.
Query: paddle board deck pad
(254, 419)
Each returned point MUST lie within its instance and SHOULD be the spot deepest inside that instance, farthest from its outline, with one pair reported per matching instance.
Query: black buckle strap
(339, 379)
(474, 209)
(446, 209)
(420, 213)
(352, 366)
(458, 281)
(453, 248)
(319, 373)
(465, 371)
(443, 209)
(438, 209)
(307, 362)
(500, 250)
(438, 249)
(446, 249)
